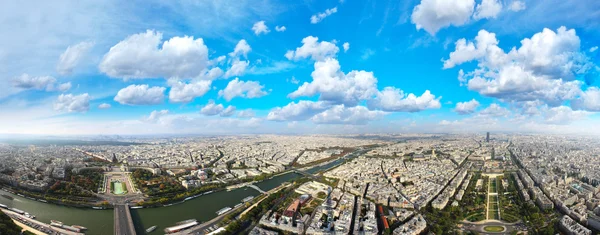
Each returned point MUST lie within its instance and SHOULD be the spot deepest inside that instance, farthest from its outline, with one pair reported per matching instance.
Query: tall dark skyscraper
(487, 138)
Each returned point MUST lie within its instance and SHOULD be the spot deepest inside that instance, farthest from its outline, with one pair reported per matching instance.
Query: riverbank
(40, 227)
(27, 228)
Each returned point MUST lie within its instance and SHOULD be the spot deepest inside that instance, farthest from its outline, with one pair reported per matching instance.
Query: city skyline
(315, 67)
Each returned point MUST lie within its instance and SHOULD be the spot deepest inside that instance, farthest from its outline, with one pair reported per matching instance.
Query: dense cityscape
(391, 184)
(311, 117)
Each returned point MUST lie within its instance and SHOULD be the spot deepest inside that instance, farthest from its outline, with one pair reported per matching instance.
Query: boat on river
(223, 211)
(149, 230)
(79, 227)
(8, 197)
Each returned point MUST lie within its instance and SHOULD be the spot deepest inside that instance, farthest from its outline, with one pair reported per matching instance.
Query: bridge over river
(123, 221)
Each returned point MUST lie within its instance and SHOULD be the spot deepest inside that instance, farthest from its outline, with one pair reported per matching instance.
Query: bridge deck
(123, 221)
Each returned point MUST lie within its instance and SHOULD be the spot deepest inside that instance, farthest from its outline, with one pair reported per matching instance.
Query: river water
(202, 208)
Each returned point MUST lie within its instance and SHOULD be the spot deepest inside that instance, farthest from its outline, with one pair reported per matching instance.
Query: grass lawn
(118, 188)
(493, 228)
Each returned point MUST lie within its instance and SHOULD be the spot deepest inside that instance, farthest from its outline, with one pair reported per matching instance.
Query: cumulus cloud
(333, 86)
(71, 57)
(487, 9)
(140, 95)
(346, 46)
(589, 100)
(246, 113)
(241, 48)
(562, 115)
(432, 15)
(72, 103)
(104, 106)
(467, 107)
(340, 114)
(280, 28)
(260, 27)
(517, 6)
(64, 87)
(300, 111)
(228, 112)
(322, 15)
(312, 48)
(28, 82)
(395, 100)
(543, 68)
(47, 83)
(211, 74)
(244, 89)
(155, 115)
(238, 68)
(141, 56)
(494, 110)
(212, 109)
(593, 49)
(182, 92)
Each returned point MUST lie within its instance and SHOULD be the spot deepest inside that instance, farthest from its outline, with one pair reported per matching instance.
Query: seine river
(202, 208)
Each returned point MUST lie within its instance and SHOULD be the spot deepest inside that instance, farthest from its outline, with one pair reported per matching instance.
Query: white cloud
(467, 107)
(156, 115)
(212, 109)
(593, 49)
(300, 111)
(260, 27)
(72, 103)
(494, 110)
(589, 100)
(517, 6)
(334, 86)
(322, 15)
(432, 15)
(280, 28)
(228, 112)
(339, 114)
(487, 9)
(141, 56)
(140, 95)
(241, 48)
(395, 100)
(211, 74)
(104, 106)
(293, 80)
(238, 68)
(311, 47)
(367, 54)
(38, 83)
(182, 92)
(244, 89)
(71, 57)
(562, 115)
(246, 113)
(64, 87)
(346, 46)
(543, 68)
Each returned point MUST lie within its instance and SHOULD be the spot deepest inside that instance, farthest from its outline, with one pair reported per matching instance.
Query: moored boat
(8, 197)
(79, 227)
(223, 211)
(149, 230)
(56, 223)
(185, 221)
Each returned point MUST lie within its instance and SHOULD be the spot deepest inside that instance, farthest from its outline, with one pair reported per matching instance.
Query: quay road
(37, 226)
(123, 221)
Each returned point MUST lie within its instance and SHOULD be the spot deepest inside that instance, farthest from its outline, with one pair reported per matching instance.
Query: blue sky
(331, 66)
